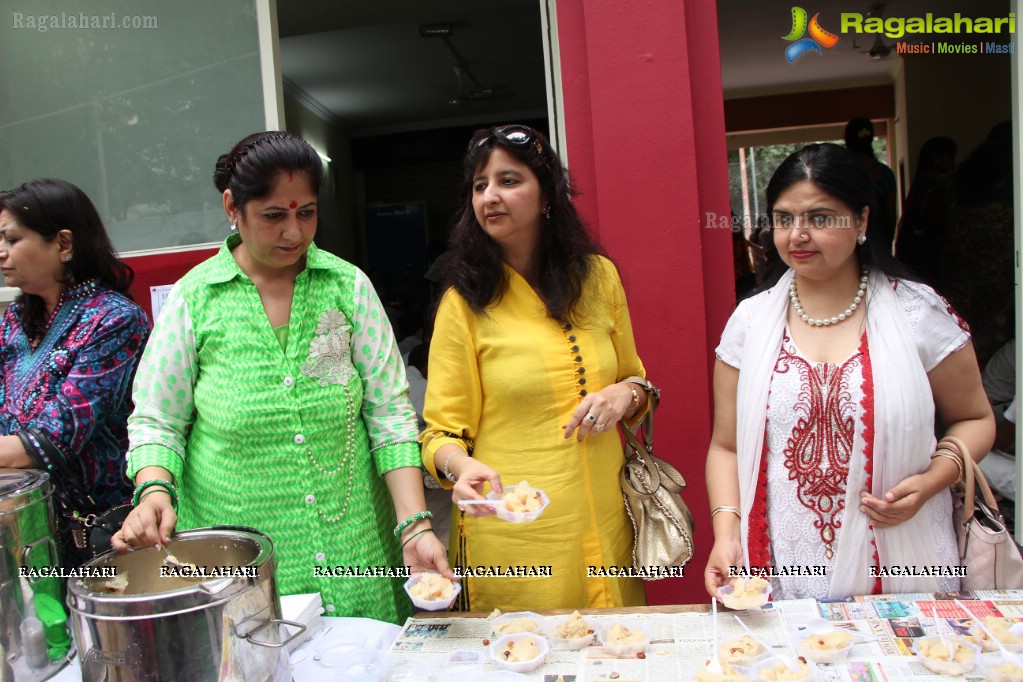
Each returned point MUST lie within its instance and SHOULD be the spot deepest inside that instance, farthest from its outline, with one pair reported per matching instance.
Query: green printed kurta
(291, 442)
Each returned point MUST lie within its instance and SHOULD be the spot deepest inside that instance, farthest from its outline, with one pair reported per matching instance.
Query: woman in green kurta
(272, 395)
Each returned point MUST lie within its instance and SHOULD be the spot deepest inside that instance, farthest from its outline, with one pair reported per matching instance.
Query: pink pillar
(645, 133)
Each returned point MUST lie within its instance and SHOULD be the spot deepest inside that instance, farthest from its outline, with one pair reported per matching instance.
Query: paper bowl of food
(522, 652)
(826, 646)
(455, 666)
(519, 504)
(796, 669)
(625, 637)
(996, 668)
(569, 633)
(729, 673)
(955, 656)
(432, 591)
(1000, 628)
(518, 621)
(743, 651)
(745, 593)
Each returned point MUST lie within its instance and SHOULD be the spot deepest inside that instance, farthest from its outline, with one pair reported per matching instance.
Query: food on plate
(781, 671)
(727, 674)
(522, 498)
(619, 634)
(954, 656)
(573, 627)
(745, 593)
(999, 628)
(1009, 670)
(828, 641)
(432, 587)
(513, 625)
(519, 651)
(739, 649)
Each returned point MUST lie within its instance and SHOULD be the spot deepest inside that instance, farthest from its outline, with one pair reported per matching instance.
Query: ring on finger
(590, 417)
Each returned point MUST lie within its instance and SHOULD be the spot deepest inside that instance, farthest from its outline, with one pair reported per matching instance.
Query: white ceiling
(367, 64)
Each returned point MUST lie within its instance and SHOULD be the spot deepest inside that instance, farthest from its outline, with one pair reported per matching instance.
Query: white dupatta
(903, 441)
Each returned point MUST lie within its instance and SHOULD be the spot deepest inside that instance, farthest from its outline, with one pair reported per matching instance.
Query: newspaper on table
(439, 648)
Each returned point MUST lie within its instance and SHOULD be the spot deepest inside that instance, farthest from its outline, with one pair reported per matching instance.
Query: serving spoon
(714, 665)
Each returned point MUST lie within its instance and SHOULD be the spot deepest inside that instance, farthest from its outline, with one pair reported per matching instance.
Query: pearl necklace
(827, 322)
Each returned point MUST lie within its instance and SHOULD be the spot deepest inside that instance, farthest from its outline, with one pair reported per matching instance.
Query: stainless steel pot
(27, 539)
(184, 628)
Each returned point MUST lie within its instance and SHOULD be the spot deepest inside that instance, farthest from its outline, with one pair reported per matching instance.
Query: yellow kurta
(508, 381)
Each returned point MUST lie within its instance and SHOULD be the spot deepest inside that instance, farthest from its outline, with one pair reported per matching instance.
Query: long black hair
(47, 206)
(562, 260)
(836, 171)
(252, 166)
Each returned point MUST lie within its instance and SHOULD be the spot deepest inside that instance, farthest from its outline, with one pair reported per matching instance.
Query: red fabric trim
(758, 537)
(868, 439)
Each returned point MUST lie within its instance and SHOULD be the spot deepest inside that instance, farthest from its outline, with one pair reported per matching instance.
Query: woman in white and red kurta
(825, 390)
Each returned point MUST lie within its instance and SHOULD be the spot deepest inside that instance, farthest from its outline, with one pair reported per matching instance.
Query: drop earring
(547, 212)
(861, 239)
(234, 227)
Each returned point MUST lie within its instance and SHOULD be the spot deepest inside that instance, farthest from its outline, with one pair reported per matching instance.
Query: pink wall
(646, 142)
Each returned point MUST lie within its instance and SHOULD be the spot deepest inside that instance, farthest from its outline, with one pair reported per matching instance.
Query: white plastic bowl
(726, 594)
(618, 649)
(431, 604)
(763, 670)
(508, 618)
(568, 643)
(518, 517)
(943, 666)
(981, 638)
(455, 666)
(739, 671)
(987, 664)
(498, 647)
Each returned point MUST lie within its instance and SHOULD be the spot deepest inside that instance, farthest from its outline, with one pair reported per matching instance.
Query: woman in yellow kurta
(532, 364)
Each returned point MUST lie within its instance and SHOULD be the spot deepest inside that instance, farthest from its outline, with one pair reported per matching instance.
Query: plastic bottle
(33, 637)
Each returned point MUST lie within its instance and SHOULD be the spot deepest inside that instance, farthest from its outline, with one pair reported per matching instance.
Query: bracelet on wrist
(447, 472)
(166, 485)
(725, 508)
(418, 516)
(415, 535)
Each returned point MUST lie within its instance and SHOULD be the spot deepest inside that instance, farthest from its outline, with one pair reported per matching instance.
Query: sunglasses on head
(516, 134)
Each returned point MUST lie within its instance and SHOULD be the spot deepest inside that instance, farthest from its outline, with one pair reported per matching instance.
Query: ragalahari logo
(819, 37)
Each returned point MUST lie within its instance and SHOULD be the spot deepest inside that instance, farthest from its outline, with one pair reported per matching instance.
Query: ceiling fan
(879, 49)
(466, 93)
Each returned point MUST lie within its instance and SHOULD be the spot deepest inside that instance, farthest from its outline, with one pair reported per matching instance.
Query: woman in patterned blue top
(68, 344)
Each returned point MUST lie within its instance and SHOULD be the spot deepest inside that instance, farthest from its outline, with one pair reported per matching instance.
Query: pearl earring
(547, 212)
(65, 259)
(861, 239)
(234, 227)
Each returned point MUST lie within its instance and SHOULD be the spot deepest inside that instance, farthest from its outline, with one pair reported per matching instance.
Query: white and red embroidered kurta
(815, 411)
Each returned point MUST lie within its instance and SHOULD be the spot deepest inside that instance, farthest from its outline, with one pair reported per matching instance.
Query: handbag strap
(67, 485)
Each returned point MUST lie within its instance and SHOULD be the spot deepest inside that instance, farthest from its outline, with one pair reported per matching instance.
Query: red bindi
(293, 204)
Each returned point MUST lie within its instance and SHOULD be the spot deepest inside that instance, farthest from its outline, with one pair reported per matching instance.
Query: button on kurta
(289, 382)
(299, 438)
(320, 556)
(310, 499)
(329, 608)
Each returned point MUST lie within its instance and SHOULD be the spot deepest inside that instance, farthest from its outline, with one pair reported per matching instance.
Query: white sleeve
(733, 338)
(938, 331)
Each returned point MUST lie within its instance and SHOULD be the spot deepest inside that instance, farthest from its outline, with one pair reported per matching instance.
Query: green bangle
(153, 492)
(415, 535)
(137, 497)
(418, 516)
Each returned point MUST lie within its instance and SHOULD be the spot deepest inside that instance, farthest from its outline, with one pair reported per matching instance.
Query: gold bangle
(958, 460)
(726, 508)
(635, 398)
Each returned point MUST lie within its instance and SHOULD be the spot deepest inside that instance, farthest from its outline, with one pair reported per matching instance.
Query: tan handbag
(986, 548)
(662, 527)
